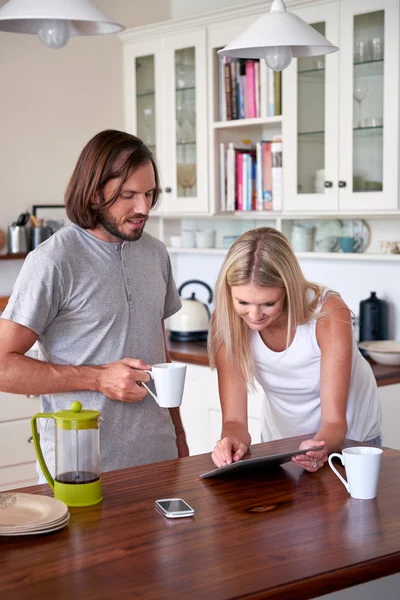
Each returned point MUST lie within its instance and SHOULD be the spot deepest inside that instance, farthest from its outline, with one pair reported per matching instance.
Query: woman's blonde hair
(264, 257)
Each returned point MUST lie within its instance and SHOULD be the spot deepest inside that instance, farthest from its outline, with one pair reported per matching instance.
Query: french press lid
(76, 417)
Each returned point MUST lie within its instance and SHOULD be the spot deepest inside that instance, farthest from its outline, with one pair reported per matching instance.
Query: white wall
(54, 101)
(354, 280)
(184, 8)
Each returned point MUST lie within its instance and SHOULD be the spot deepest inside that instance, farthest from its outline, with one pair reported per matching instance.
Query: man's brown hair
(110, 154)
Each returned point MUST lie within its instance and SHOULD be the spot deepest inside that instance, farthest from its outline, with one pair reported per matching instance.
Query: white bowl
(383, 352)
(175, 241)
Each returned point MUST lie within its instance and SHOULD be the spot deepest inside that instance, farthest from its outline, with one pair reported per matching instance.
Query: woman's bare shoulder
(335, 308)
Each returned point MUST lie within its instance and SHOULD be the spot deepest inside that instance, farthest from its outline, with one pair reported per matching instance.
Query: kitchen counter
(196, 353)
(278, 534)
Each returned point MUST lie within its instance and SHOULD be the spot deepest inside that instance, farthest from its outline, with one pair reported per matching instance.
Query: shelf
(300, 255)
(186, 144)
(374, 128)
(185, 89)
(349, 256)
(255, 122)
(306, 133)
(313, 72)
(269, 215)
(146, 95)
(214, 251)
(13, 256)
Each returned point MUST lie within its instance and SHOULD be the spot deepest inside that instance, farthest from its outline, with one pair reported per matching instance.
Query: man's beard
(110, 224)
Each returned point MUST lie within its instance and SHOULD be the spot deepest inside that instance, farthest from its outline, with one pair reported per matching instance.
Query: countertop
(274, 533)
(196, 353)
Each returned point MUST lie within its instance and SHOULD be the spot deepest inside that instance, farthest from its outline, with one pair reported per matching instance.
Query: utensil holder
(39, 235)
(17, 239)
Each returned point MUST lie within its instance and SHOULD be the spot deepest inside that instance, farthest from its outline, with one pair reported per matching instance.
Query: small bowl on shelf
(383, 352)
(175, 241)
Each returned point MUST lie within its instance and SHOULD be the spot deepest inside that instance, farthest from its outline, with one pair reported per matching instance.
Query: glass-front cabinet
(339, 111)
(368, 143)
(165, 105)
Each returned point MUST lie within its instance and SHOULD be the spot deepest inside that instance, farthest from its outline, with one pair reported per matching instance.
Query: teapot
(190, 323)
(77, 477)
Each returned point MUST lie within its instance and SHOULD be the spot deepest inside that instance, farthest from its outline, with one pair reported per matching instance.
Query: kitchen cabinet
(17, 453)
(166, 106)
(390, 405)
(202, 417)
(337, 163)
(340, 112)
(201, 410)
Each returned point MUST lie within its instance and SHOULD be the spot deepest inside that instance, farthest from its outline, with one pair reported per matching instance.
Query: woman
(296, 339)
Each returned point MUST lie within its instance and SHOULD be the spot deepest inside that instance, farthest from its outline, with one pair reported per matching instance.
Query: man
(95, 296)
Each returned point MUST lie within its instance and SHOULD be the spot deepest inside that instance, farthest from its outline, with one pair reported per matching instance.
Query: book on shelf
(277, 174)
(251, 176)
(248, 89)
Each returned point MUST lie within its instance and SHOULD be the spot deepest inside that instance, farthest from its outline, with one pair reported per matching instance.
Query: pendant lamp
(277, 37)
(55, 21)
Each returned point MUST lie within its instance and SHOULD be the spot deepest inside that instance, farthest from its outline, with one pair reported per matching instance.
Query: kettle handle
(199, 282)
(38, 449)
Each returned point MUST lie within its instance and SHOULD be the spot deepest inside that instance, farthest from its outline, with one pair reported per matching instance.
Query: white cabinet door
(18, 406)
(18, 476)
(390, 403)
(369, 104)
(144, 94)
(310, 121)
(200, 386)
(185, 119)
(201, 410)
(15, 443)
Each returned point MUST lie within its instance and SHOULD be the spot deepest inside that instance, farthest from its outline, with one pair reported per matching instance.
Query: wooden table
(284, 534)
(196, 353)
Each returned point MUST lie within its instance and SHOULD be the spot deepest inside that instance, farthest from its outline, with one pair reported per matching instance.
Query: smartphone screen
(174, 507)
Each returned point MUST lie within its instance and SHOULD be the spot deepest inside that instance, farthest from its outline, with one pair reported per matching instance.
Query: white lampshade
(55, 21)
(277, 36)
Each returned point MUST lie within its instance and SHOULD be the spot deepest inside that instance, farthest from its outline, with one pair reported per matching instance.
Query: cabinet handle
(32, 396)
(342, 184)
(30, 441)
(168, 190)
(328, 184)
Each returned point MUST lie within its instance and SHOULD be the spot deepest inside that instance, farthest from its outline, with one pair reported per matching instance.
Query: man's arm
(181, 443)
(21, 374)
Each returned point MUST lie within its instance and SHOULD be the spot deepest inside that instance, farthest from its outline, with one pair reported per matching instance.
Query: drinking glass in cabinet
(360, 92)
(368, 85)
(186, 177)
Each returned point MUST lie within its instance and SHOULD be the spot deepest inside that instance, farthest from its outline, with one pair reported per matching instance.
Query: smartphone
(174, 508)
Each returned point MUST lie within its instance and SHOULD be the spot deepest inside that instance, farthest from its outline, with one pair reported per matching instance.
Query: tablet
(247, 464)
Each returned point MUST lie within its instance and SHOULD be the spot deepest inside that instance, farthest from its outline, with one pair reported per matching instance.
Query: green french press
(77, 478)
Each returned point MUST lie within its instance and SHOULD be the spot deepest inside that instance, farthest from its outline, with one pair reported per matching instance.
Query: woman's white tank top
(291, 382)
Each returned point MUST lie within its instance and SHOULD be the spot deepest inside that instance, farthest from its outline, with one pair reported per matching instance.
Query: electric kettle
(190, 323)
(77, 477)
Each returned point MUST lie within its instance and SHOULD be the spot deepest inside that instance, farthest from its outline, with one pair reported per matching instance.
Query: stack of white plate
(383, 352)
(30, 514)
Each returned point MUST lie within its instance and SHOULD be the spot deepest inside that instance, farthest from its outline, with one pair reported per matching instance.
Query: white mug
(362, 464)
(169, 381)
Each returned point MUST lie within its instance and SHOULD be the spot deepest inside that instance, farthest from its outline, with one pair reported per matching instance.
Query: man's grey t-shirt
(92, 303)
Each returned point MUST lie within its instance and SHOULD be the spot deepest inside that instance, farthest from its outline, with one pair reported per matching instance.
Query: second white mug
(169, 381)
(362, 464)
